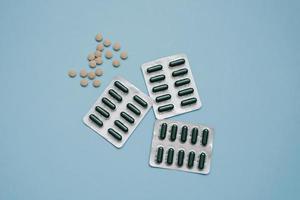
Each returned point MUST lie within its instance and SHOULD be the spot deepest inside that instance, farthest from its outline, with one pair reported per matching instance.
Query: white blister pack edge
(172, 90)
(115, 114)
(178, 145)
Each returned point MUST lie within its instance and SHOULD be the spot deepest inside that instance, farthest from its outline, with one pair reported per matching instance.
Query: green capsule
(180, 72)
(205, 133)
(185, 92)
(180, 158)
(157, 78)
(134, 109)
(127, 117)
(160, 154)
(96, 120)
(154, 68)
(115, 95)
(140, 101)
(191, 159)
(121, 87)
(173, 132)
(194, 135)
(115, 134)
(170, 156)
(177, 62)
(182, 82)
(201, 161)
(164, 108)
(184, 132)
(102, 111)
(188, 101)
(108, 103)
(163, 98)
(163, 131)
(160, 88)
(121, 126)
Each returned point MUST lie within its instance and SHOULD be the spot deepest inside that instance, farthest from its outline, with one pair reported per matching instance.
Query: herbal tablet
(99, 72)
(116, 63)
(91, 56)
(98, 54)
(100, 47)
(83, 73)
(96, 83)
(92, 63)
(108, 54)
(91, 75)
(98, 61)
(124, 55)
(117, 46)
(84, 82)
(99, 37)
(107, 43)
(72, 73)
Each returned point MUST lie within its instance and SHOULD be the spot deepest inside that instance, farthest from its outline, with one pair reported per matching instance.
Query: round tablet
(98, 54)
(117, 46)
(108, 54)
(72, 73)
(124, 55)
(107, 42)
(84, 82)
(99, 72)
(96, 83)
(91, 56)
(83, 73)
(92, 63)
(100, 47)
(98, 61)
(116, 63)
(91, 75)
(99, 37)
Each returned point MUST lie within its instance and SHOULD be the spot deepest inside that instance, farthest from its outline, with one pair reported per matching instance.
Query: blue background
(245, 59)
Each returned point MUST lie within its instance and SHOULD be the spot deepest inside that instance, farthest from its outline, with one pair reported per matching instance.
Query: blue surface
(244, 56)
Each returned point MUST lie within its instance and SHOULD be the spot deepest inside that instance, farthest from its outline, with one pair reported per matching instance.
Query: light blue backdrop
(245, 59)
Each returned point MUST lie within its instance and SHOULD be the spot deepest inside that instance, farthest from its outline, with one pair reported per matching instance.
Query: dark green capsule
(194, 135)
(108, 103)
(180, 158)
(177, 62)
(201, 161)
(185, 92)
(163, 98)
(121, 87)
(188, 101)
(121, 126)
(204, 140)
(163, 131)
(96, 120)
(102, 111)
(182, 82)
(191, 159)
(180, 72)
(160, 155)
(127, 117)
(154, 68)
(115, 95)
(170, 156)
(133, 109)
(165, 108)
(173, 132)
(184, 133)
(157, 78)
(140, 101)
(115, 134)
(160, 88)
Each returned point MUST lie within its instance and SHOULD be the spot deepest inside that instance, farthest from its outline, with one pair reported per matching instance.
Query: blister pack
(171, 84)
(181, 146)
(118, 111)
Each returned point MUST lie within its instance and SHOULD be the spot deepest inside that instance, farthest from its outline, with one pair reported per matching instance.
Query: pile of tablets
(175, 145)
(95, 58)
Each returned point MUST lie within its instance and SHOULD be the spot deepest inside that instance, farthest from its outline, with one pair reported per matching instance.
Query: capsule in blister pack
(181, 146)
(118, 111)
(171, 85)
